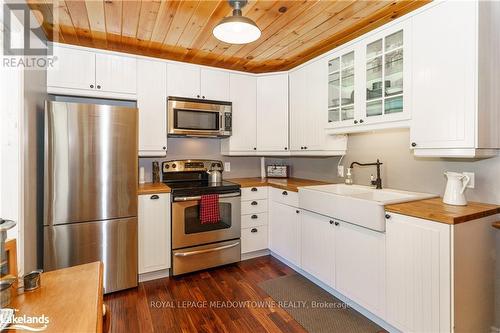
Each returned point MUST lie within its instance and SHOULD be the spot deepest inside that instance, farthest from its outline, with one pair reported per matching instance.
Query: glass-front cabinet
(368, 82)
(341, 88)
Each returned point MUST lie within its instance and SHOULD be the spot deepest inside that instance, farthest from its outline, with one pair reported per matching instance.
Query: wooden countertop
(71, 298)
(435, 210)
(152, 188)
(496, 225)
(289, 184)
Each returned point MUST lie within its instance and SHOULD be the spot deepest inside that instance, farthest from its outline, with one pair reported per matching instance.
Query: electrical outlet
(472, 181)
(227, 166)
(340, 171)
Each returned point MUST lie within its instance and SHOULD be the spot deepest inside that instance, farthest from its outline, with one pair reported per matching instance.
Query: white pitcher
(455, 188)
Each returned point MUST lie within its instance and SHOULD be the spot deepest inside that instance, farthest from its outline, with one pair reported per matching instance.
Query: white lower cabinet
(154, 232)
(317, 235)
(360, 266)
(254, 224)
(284, 231)
(254, 238)
(418, 274)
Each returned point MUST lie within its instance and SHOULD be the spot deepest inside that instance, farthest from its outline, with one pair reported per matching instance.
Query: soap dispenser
(348, 177)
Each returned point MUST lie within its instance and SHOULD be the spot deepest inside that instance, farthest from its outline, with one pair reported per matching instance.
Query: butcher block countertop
(71, 298)
(152, 188)
(435, 210)
(289, 184)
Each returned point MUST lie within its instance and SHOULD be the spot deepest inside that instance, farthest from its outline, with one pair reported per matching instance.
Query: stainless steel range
(195, 245)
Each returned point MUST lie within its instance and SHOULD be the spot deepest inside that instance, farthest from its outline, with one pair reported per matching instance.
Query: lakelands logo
(25, 43)
(23, 322)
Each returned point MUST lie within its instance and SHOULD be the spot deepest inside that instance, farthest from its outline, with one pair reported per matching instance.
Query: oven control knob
(174, 165)
(167, 166)
(213, 165)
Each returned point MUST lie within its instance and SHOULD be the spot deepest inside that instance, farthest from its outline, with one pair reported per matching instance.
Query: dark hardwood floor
(204, 302)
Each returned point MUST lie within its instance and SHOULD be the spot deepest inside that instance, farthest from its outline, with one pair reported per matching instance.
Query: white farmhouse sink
(357, 204)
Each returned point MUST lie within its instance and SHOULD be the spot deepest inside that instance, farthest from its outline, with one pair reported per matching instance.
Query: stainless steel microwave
(199, 118)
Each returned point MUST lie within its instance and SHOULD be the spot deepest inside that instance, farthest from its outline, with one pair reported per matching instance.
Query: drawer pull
(254, 230)
(254, 189)
(154, 197)
(254, 203)
(331, 221)
(284, 193)
(254, 217)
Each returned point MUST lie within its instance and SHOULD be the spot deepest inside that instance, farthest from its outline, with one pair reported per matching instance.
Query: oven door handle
(227, 195)
(192, 253)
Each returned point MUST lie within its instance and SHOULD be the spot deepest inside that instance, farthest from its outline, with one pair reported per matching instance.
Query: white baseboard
(255, 254)
(154, 275)
(341, 297)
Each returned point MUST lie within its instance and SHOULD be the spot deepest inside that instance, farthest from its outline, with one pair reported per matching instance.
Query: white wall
(193, 148)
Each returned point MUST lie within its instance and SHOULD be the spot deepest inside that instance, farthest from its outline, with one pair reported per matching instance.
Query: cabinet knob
(305, 147)
(254, 189)
(286, 148)
(254, 217)
(254, 203)
(164, 148)
(413, 144)
(154, 197)
(387, 216)
(92, 86)
(203, 96)
(355, 121)
(198, 96)
(254, 230)
(254, 148)
(297, 211)
(336, 223)
(331, 221)
(98, 87)
(361, 121)
(284, 193)
(301, 147)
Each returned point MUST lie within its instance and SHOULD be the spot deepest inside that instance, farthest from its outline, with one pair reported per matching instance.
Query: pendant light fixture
(237, 29)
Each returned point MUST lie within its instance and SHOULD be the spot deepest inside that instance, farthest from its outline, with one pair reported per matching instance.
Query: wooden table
(71, 298)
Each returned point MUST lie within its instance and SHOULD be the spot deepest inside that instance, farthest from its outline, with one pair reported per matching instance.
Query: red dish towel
(209, 209)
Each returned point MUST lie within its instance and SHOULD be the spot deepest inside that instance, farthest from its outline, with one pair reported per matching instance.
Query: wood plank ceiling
(293, 31)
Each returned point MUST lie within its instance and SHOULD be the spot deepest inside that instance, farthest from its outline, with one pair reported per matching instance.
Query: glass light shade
(237, 30)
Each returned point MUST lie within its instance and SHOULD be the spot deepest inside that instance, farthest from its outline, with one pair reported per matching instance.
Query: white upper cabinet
(215, 84)
(308, 117)
(456, 110)
(74, 69)
(152, 105)
(115, 73)
(272, 113)
(191, 81)
(85, 73)
(243, 95)
(369, 82)
(183, 80)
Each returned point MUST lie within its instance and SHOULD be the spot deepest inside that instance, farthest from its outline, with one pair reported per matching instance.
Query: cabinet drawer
(284, 196)
(254, 193)
(253, 239)
(253, 207)
(253, 220)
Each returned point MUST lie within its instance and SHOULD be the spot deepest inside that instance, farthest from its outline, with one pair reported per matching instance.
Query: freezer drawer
(200, 257)
(114, 242)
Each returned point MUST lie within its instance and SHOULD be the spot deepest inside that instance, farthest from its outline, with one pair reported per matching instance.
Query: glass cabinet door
(341, 88)
(384, 75)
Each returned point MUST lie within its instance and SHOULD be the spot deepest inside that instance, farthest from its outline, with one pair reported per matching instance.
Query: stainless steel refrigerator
(90, 189)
